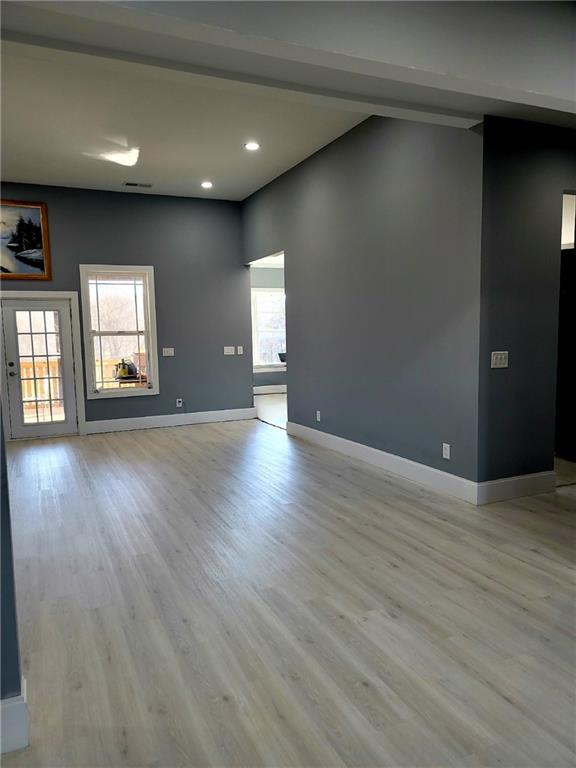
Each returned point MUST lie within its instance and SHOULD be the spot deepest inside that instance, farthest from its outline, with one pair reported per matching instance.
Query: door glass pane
(39, 344)
(23, 321)
(25, 344)
(26, 368)
(37, 319)
(40, 366)
(42, 389)
(55, 389)
(53, 343)
(52, 321)
(55, 365)
(44, 413)
(28, 390)
(29, 410)
(58, 410)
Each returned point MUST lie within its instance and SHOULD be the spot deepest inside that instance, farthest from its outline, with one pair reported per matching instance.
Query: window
(119, 315)
(268, 324)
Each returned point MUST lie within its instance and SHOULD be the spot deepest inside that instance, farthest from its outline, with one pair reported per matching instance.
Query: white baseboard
(14, 722)
(428, 477)
(515, 487)
(169, 420)
(270, 389)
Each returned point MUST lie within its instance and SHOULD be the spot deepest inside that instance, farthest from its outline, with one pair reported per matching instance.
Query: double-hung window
(119, 316)
(268, 325)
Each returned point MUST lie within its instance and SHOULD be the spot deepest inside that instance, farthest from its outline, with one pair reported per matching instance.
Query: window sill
(270, 368)
(104, 394)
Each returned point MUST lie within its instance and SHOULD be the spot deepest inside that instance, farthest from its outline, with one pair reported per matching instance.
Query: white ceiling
(62, 109)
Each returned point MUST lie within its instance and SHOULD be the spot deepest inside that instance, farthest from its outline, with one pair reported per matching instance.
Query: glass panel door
(39, 367)
(40, 359)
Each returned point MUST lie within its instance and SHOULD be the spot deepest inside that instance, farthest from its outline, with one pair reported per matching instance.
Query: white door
(40, 391)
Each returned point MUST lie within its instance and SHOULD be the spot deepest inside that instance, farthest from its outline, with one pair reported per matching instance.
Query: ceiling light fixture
(252, 146)
(128, 157)
(206, 185)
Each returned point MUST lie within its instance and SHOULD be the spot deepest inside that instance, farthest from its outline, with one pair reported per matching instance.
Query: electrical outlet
(167, 351)
(318, 417)
(499, 360)
(445, 450)
(240, 350)
(179, 402)
(229, 350)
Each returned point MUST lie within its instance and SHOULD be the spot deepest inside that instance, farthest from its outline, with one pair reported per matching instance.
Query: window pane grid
(40, 359)
(118, 327)
(269, 325)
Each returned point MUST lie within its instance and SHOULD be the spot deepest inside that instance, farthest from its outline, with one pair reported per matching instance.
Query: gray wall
(10, 667)
(527, 167)
(381, 234)
(202, 289)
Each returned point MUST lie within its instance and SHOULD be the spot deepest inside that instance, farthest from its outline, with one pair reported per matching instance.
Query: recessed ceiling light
(206, 185)
(128, 157)
(252, 146)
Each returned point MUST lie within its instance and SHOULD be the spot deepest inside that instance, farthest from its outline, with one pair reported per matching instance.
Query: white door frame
(72, 297)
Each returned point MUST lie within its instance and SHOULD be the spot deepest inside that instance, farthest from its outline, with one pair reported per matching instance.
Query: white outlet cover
(318, 416)
(167, 351)
(229, 350)
(445, 450)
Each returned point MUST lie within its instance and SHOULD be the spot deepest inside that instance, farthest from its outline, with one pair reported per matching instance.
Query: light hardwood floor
(224, 595)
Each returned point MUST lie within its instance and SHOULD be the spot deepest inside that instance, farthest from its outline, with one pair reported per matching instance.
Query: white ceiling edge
(289, 90)
(107, 59)
(138, 36)
(198, 32)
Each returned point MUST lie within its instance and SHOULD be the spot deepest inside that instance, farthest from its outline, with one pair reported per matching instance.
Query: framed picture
(25, 249)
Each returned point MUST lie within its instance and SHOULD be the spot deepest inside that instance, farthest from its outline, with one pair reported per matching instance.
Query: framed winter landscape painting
(25, 250)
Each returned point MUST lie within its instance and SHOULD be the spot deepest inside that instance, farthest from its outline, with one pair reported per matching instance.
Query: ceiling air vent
(137, 184)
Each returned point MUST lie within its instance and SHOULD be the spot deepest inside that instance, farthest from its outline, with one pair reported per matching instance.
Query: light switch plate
(499, 360)
(445, 450)
(229, 350)
(167, 351)
(240, 350)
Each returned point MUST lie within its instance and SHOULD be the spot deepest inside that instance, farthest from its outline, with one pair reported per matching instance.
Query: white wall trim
(270, 368)
(271, 389)
(14, 722)
(429, 477)
(169, 420)
(515, 487)
(153, 387)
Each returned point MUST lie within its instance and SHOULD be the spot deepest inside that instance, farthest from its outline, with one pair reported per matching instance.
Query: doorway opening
(269, 356)
(565, 439)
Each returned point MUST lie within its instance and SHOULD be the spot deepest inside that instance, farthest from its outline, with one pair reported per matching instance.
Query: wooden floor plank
(224, 595)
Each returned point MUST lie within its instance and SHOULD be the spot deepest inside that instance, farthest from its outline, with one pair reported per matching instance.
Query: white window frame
(262, 367)
(153, 388)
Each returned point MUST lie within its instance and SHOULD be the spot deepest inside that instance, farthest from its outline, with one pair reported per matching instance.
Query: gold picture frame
(25, 243)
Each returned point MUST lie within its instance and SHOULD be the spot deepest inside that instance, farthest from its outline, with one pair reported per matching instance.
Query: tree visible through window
(119, 328)
(268, 324)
